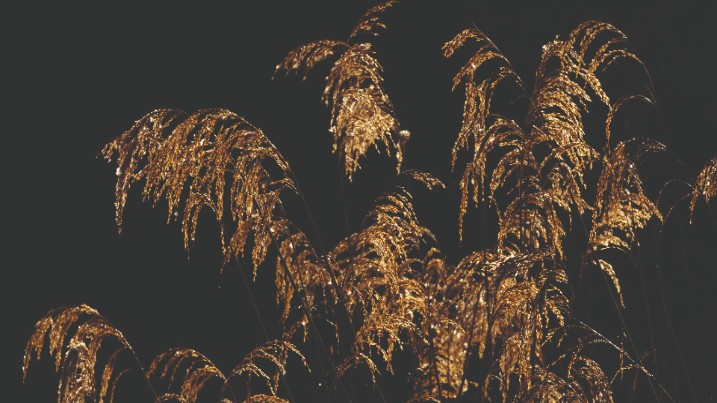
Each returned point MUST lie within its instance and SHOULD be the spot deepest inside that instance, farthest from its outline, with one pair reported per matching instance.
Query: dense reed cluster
(496, 323)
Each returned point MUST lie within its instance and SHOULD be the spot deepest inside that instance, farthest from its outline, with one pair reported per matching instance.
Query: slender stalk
(263, 329)
(308, 314)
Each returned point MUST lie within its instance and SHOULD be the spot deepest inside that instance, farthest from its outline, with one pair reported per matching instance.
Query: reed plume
(375, 270)
(174, 153)
(705, 185)
(537, 185)
(621, 206)
(362, 114)
(75, 335)
(185, 372)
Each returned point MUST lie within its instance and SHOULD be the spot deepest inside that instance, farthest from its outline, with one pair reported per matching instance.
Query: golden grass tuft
(362, 114)
(705, 185)
(176, 153)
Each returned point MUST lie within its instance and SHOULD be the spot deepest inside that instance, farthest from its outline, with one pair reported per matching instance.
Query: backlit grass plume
(554, 118)
(497, 323)
(705, 185)
(377, 273)
(184, 373)
(362, 114)
(177, 154)
(76, 334)
(621, 206)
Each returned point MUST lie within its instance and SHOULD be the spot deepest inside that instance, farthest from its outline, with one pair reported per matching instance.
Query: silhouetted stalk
(308, 314)
(263, 330)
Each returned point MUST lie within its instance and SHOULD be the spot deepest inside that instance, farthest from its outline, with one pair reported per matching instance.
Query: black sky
(76, 76)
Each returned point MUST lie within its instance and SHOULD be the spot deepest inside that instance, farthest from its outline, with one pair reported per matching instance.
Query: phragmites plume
(621, 206)
(528, 307)
(452, 310)
(539, 176)
(80, 339)
(184, 372)
(266, 363)
(555, 114)
(568, 68)
(584, 378)
(705, 185)
(75, 336)
(376, 274)
(362, 114)
(481, 130)
(370, 23)
(262, 398)
(297, 260)
(178, 154)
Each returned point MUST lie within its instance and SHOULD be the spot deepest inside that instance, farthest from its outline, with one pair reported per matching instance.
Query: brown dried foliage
(362, 114)
(185, 372)
(705, 185)
(206, 158)
(621, 206)
(75, 336)
(526, 306)
(501, 306)
(377, 275)
(77, 333)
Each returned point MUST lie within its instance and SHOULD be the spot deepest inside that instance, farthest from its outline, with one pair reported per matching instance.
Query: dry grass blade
(705, 185)
(189, 157)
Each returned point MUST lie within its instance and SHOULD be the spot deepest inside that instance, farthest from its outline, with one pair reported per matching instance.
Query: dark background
(76, 76)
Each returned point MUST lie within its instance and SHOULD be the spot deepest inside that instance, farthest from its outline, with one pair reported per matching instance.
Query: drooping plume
(184, 372)
(621, 206)
(375, 267)
(362, 115)
(75, 336)
(202, 160)
(705, 185)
